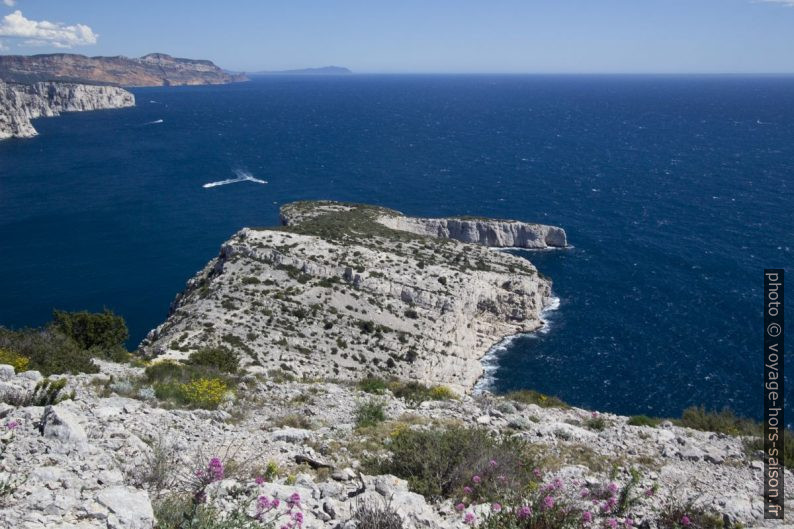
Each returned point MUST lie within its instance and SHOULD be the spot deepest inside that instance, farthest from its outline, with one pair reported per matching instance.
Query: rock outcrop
(138, 454)
(156, 69)
(338, 292)
(20, 103)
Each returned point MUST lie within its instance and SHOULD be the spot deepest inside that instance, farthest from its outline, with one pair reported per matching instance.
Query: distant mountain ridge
(155, 69)
(323, 70)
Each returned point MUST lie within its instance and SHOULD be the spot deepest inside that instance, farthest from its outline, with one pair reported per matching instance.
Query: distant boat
(242, 176)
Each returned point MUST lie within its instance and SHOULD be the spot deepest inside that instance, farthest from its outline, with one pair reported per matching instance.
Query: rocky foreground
(21, 103)
(155, 69)
(347, 290)
(103, 458)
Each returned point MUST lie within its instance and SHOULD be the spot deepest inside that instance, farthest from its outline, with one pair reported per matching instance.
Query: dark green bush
(644, 420)
(104, 332)
(529, 396)
(219, 358)
(49, 351)
(370, 413)
(439, 463)
(725, 421)
(372, 384)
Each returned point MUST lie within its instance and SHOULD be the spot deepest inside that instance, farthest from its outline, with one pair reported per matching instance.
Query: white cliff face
(19, 103)
(495, 233)
(386, 302)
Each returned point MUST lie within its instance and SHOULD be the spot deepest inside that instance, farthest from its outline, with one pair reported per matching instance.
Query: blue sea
(676, 193)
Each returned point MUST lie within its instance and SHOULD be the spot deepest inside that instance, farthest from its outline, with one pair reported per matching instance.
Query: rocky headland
(20, 103)
(346, 290)
(155, 69)
(319, 375)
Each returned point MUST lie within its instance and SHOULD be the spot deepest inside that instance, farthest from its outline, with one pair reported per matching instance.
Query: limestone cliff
(155, 69)
(339, 293)
(21, 103)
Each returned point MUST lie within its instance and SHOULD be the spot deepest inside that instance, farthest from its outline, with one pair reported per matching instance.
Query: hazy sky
(672, 36)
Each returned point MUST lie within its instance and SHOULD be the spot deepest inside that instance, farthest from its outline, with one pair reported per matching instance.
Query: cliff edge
(20, 103)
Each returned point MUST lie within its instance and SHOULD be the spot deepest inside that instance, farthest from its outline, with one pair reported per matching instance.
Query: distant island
(324, 70)
(155, 69)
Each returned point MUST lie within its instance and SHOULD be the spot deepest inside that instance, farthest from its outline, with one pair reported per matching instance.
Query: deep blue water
(675, 191)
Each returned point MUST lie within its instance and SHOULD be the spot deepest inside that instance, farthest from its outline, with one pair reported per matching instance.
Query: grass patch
(370, 413)
(530, 396)
(644, 420)
(413, 392)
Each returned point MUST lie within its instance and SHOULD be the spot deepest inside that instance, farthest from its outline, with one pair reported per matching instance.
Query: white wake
(242, 176)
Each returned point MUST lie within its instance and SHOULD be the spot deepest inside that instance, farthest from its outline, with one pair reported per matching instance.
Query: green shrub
(370, 413)
(219, 358)
(46, 393)
(529, 396)
(438, 463)
(373, 516)
(596, 423)
(48, 350)
(104, 332)
(644, 420)
(725, 421)
(189, 385)
(418, 393)
(372, 384)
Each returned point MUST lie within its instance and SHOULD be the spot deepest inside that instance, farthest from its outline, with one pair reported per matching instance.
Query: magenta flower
(685, 521)
(275, 503)
(476, 479)
(460, 506)
(493, 463)
(524, 512)
(298, 518)
(587, 517)
(467, 490)
(294, 500)
(263, 503)
(628, 523)
(612, 488)
(584, 493)
(12, 425)
(557, 484)
(215, 469)
(259, 480)
(537, 473)
(548, 502)
(612, 523)
(495, 507)
(649, 492)
(469, 519)
(612, 502)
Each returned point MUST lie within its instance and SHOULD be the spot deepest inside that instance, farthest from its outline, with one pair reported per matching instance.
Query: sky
(420, 36)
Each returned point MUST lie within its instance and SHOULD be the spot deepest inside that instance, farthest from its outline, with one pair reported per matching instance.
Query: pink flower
(612, 502)
(612, 488)
(584, 493)
(594, 415)
(628, 523)
(495, 507)
(524, 512)
(501, 478)
(259, 480)
(263, 503)
(649, 492)
(460, 506)
(467, 490)
(469, 519)
(537, 473)
(587, 517)
(493, 463)
(548, 502)
(12, 425)
(557, 484)
(612, 523)
(685, 521)
(215, 469)
(605, 507)
(294, 500)
(275, 503)
(476, 479)
(298, 518)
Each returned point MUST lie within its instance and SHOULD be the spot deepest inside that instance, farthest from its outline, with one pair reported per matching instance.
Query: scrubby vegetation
(68, 344)
(529, 396)
(410, 391)
(370, 413)
(193, 385)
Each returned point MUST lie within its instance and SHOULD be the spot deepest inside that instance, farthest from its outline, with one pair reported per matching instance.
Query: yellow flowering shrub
(442, 393)
(204, 392)
(19, 362)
